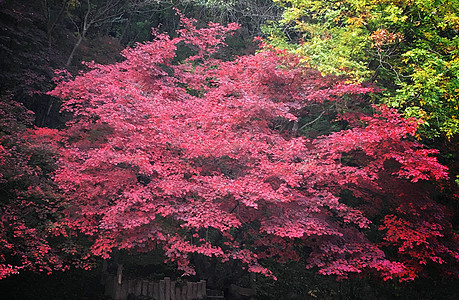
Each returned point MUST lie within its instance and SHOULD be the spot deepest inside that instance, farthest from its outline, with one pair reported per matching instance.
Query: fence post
(189, 290)
(184, 292)
(178, 293)
(151, 290)
(145, 288)
(162, 286)
(195, 290)
(167, 288)
(201, 289)
(156, 290)
(138, 288)
(172, 289)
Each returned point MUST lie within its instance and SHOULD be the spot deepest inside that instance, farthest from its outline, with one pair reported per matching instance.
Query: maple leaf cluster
(28, 197)
(194, 156)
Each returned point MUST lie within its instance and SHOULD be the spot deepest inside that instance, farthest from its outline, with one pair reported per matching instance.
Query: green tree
(410, 48)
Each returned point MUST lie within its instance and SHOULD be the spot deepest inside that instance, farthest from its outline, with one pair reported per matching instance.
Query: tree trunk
(75, 47)
(82, 34)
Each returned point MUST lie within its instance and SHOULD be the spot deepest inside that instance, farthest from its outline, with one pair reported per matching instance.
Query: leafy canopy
(29, 201)
(410, 48)
(204, 156)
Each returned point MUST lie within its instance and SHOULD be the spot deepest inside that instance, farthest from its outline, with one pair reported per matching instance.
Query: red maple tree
(29, 201)
(205, 156)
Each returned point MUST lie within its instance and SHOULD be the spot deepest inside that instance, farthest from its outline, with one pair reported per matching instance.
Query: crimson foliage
(28, 198)
(194, 157)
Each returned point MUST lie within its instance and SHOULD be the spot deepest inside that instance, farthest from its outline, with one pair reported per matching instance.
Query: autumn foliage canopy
(207, 156)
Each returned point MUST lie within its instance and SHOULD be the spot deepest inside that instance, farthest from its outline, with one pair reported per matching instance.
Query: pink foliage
(164, 153)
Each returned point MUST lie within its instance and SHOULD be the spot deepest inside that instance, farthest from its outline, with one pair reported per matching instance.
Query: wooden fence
(163, 290)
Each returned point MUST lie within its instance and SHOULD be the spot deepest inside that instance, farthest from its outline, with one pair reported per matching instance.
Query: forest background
(407, 51)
